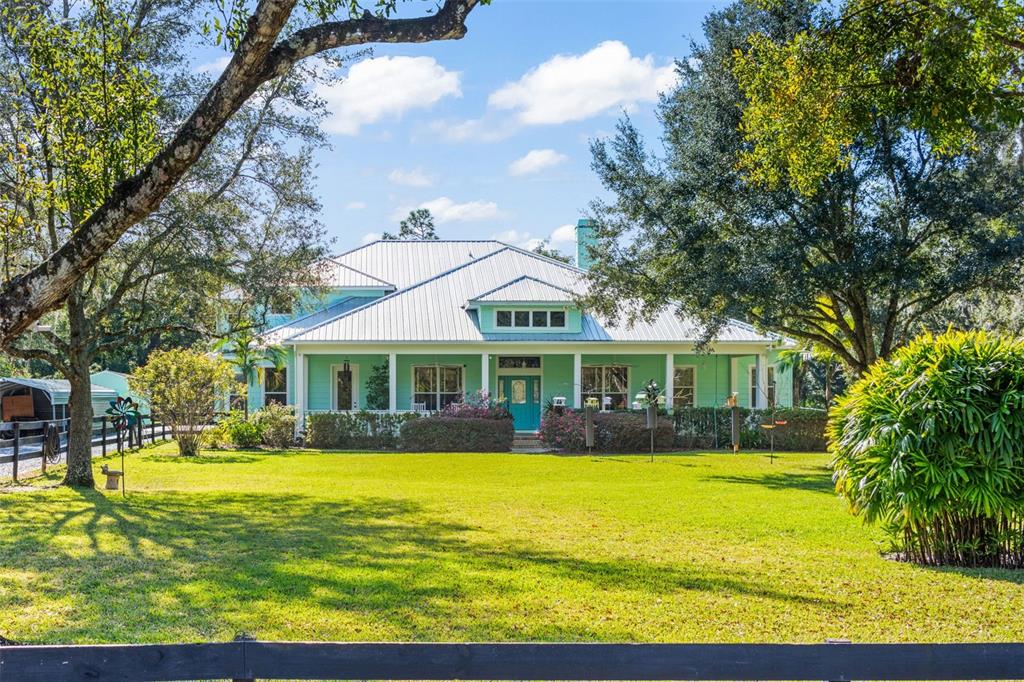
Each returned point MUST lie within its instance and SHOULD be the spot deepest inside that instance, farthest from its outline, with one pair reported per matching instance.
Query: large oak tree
(855, 266)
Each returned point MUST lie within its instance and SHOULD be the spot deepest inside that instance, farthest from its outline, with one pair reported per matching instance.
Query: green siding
(319, 379)
(783, 381)
(711, 374)
(557, 378)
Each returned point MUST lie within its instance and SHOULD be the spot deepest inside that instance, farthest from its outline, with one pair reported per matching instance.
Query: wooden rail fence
(251, 660)
(104, 436)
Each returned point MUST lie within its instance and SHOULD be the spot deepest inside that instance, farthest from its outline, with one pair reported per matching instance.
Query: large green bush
(440, 433)
(931, 445)
(361, 430)
(276, 423)
(701, 428)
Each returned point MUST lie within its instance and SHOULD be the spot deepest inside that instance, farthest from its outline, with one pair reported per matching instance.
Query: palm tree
(801, 360)
(246, 351)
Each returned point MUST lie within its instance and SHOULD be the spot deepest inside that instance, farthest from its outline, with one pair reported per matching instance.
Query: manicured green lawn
(326, 546)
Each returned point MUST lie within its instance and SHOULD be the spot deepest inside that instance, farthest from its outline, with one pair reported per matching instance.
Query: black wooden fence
(24, 439)
(251, 660)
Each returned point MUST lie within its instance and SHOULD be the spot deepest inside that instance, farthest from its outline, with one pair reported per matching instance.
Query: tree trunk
(79, 473)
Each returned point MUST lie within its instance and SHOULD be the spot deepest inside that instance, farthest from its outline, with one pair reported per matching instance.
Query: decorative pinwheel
(124, 413)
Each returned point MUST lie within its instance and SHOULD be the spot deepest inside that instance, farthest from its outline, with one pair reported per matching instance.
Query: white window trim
(752, 385)
(514, 326)
(437, 392)
(334, 385)
(676, 385)
(603, 392)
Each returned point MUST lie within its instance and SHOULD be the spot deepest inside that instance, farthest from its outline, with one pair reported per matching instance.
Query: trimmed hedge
(702, 428)
(439, 433)
(361, 430)
(613, 431)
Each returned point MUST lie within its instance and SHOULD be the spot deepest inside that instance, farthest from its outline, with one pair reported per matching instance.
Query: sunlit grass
(330, 546)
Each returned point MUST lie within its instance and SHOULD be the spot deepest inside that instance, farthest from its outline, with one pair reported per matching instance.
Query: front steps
(529, 443)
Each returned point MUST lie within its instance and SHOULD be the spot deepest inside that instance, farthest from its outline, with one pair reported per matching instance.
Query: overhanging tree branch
(258, 58)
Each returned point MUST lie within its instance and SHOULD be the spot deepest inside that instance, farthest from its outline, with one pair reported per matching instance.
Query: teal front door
(522, 395)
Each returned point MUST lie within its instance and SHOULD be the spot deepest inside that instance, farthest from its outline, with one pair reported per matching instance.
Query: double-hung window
(684, 387)
(275, 386)
(435, 386)
(609, 384)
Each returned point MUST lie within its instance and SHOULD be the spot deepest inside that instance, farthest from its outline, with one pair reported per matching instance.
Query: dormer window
(529, 319)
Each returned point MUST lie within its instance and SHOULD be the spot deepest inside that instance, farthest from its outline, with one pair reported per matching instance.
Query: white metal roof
(434, 310)
(346, 277)
(525, 289)
(276, 335)
(404, 263)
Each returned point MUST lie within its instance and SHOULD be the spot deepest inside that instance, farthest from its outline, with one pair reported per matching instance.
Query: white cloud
(385, 86)
(575, 87)
(446, 210)
(564, 237)
(215, 67)
(355, 205)
(536, 160)
(415, 177)
(484, 129)
(523, 240)
(370, 237)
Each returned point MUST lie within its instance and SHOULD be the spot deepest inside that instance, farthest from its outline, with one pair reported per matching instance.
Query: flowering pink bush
(477, 405)
(563, 429)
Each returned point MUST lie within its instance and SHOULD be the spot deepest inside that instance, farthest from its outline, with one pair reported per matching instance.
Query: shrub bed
(613, 431)
(441, 433)
(361, 430)
(702, 428)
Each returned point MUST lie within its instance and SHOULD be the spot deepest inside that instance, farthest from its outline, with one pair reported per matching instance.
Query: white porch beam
(485, 372)
(761, 373)
(392, 381)
(300, 393)
(670, 378)
(577, 380)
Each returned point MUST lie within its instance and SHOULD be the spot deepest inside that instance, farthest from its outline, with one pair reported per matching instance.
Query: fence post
(119, 439)
(242, 638)
(103, 434)
(152, 430)
(14, 462)
(141, 441)
(163, 430)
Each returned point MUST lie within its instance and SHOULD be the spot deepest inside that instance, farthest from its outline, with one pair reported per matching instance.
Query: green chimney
(585, 237)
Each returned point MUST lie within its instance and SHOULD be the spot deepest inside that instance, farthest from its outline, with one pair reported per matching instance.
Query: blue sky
(491, 132)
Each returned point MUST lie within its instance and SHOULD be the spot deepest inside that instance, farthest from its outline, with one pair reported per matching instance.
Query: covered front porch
(320, 379)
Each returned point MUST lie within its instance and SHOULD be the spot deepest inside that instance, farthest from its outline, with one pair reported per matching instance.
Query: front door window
(343, 390)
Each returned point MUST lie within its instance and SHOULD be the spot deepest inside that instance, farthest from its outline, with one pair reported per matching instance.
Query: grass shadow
(818, 483)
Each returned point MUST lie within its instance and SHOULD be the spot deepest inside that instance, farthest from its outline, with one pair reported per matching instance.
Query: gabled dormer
(527, 305)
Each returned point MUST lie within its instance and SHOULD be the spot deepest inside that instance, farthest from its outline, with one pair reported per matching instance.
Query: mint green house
(440, 319)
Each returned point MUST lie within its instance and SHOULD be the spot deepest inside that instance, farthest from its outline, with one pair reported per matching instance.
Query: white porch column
(485, 372)
(392, 381)
(577, 380)
(300, 392)
(670, 378)
(761, 373)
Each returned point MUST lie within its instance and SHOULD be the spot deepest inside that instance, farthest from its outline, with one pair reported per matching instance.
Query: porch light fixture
(345, 367)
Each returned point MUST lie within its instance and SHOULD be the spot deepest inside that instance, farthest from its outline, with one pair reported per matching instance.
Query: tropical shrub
(442, 433)
(182, 388)
(711, 427)
(378, 387)
(276, 423)
(929, 445)
(361, 430)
